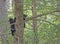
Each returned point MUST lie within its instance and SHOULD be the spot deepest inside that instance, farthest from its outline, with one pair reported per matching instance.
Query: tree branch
(32, 17)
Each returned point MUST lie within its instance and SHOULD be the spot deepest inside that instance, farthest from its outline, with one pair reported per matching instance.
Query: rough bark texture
(18, 38)
(58, 4)
(58, 7)
(3, 19)
(34, 21)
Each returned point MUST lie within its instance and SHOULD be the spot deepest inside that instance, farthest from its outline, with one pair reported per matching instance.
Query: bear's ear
(24, 15)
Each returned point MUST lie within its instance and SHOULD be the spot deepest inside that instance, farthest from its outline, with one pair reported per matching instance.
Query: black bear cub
(12, 23)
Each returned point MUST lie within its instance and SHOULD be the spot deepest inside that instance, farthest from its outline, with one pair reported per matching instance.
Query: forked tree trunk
(18, 38)
(34, 22)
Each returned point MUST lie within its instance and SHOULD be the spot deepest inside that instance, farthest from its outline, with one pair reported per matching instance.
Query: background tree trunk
(3, 19)
(18, 38)
(58, 7)
(34, 21)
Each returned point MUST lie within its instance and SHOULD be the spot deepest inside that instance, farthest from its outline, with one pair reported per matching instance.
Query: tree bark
(58, 34)
(18, 38)
(34, 22)
(3, 19)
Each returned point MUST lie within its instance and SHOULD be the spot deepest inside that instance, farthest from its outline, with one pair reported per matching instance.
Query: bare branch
(32, 17)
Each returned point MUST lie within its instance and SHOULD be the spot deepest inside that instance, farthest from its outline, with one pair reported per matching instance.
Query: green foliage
(47, 33)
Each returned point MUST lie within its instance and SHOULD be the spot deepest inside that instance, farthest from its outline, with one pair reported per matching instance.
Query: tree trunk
(58, 36)
(3, 19)
(18, 38)
(34, 22)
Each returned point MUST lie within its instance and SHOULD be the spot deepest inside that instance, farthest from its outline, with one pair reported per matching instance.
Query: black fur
(12, 21)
